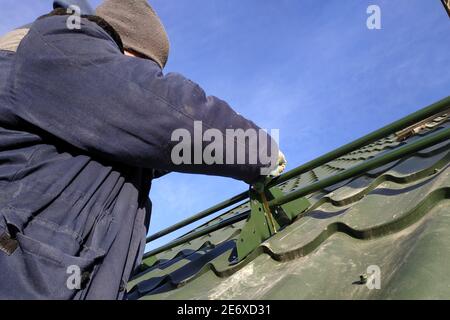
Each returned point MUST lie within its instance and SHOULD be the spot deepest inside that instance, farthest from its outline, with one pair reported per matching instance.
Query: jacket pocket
(36, 270)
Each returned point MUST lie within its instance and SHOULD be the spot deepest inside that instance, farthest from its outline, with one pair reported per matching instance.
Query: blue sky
(309, 68)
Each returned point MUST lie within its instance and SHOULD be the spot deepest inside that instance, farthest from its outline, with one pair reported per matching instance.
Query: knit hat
(139, 27)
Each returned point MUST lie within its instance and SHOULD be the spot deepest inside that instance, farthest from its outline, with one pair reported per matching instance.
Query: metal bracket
(264, 222)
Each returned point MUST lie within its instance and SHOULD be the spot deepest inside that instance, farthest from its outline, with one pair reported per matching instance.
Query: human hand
(281, 166)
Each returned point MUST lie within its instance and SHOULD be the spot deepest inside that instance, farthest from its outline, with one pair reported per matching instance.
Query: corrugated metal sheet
(396, 218)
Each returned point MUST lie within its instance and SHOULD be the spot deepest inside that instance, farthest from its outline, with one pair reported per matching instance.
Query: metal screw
(363, 278)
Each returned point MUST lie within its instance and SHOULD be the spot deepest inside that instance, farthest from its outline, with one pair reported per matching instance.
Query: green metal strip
(206, 213)
(408, 149)
(194, 235)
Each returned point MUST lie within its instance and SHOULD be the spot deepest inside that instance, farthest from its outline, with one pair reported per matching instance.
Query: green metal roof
(396, 217)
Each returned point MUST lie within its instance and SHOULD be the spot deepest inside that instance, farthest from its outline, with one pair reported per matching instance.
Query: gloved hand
(281, 166)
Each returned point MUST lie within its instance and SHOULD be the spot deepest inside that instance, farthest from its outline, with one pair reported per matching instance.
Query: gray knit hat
(139, 27)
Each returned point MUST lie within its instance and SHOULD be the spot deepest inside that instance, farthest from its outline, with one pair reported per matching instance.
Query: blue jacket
(83, 131)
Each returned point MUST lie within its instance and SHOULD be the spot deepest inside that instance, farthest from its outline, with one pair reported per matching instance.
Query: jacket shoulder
(72, 32)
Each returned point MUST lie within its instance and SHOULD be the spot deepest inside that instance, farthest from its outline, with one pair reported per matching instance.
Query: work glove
(279, 169)
(281, 166)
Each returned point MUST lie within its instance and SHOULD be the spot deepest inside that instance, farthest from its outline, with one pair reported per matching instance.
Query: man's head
(138, 25)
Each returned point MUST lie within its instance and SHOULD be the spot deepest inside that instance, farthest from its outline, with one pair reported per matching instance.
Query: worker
(86, 123)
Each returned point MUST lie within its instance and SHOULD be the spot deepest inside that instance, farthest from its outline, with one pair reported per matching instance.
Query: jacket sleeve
(77, 86)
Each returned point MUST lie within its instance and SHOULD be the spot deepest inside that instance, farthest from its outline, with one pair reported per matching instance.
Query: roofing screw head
(363, 278)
